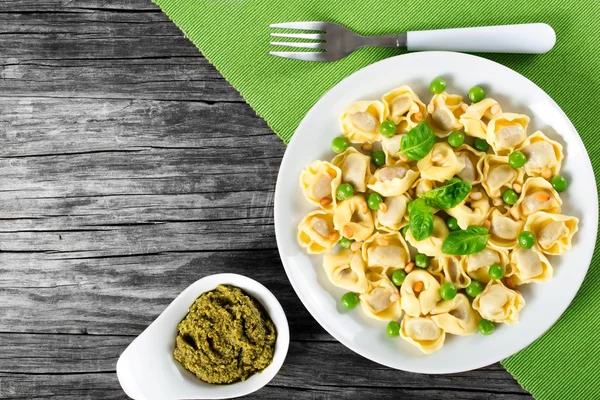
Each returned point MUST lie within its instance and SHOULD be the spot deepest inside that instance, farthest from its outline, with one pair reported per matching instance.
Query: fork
(336, 41)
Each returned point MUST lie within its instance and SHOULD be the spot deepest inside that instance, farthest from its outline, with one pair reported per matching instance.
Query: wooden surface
(129, 168)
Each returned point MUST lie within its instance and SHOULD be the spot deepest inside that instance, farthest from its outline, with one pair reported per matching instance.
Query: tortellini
(353, 218)
(423, 333)
(346, 270)
(355, 167)
(440, 164)
(498, 303)
(504, 231)
(472, 162)
(498, 175)
(456, 316)
(542, 153)
(368, 217)
(316, 232)
(473, 210)
(538, 195)
(477, 116)
(385, 253)
(392, 217)
(403, 107)
(393, 180)
(506, 132)
(477, 265)
(554, 232)
(432, 246)
(360, 121)
(444, 112)
(381, 300)
(421, 302)
(319, 180)
(529, 265)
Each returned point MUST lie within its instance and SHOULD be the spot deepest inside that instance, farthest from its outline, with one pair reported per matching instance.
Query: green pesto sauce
(226, 336)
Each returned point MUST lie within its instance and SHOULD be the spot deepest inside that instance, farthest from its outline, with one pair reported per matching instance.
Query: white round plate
(515, 93)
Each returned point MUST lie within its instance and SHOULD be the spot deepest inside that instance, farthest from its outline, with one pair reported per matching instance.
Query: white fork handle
(521, 38)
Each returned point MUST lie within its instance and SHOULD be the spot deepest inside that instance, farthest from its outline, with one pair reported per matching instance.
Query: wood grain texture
(129, 168)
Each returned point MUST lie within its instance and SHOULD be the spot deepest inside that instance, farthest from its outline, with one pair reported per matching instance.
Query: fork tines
(302, 55)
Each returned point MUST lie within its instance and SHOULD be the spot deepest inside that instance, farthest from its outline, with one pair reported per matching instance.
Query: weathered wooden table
(129, 168)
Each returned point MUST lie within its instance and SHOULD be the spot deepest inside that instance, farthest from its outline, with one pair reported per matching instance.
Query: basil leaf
(417, 142)
(470, 241)
(421, 219)
(448, 196)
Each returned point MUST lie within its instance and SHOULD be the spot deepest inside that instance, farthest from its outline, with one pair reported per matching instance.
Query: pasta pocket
(432, 246)
(391, 149)
(393, 217)
(316, 232)
(318, 181)
(537, 195)
(506, 132)
(360, 121)
(529, 265)
(353, 219)
(504, 231)
(554, 232)
(477, 116)
(381, 301)
(440, 164)
(355, 167)
(477, 265)
(422, 333)
(542, 154)
(346, 270)
(392, 180)
(498, 303)
(404, 108)
(472, 161)
(456, 316)
(453, 271)
(419, 293)
(473, 210)
(444, 111)
(498, 175)
(385, 253)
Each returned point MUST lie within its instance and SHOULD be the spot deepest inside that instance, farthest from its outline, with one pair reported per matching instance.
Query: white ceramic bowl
(312, 141)
(148, 371)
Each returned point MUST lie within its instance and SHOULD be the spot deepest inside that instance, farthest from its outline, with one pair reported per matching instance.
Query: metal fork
(336, 41)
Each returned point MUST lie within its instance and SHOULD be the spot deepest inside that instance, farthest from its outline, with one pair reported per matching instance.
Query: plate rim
(321, 320)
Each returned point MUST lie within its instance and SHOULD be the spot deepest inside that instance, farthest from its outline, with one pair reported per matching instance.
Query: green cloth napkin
(234, 36)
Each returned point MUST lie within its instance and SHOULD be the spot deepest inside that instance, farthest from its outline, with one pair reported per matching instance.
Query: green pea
(345, 242)
(517, 159)
(393, 329)
(438, 85)
(486, 327)
(474, 288)
(398, 277)
(448, 291)
(387, 129)
(378, 158)
(350, 300)
(559, 183)
(526, 239)
(496, 271)
(374, 201)
(476, 94)
(456, 138)
(344, 191)
(339, 144)
(421, 260)
(510, 197)
(404, 230)
(452, 224)
(481, 144)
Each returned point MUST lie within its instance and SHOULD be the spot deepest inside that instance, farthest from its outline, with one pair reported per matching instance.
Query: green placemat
(234, 36)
